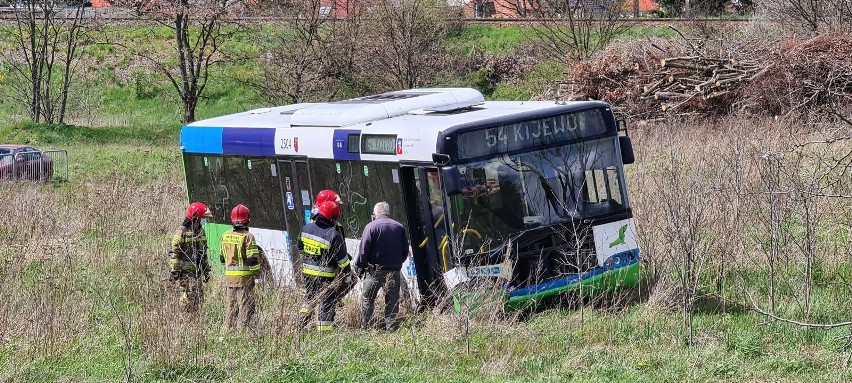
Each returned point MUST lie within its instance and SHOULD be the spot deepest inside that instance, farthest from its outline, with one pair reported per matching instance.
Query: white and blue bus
(531, 194)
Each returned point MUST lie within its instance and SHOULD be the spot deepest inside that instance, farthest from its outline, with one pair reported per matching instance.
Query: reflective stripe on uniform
(319, 268)
(344, 263)
(304, 310)
(239, 270)
(316, 238)
(314, 245)
(316, 273)
(325, 325)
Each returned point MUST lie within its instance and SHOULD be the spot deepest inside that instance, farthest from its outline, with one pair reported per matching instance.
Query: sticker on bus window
(205, 162)
(290, 204)
(273, 170)
(287, 182)
(307, 215)
(249, 164)
(287, 246)
(337, 165)
(366, 172)
(306, 198)
(395, 175)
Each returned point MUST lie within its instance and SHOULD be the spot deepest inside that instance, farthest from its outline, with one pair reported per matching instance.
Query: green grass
(543, 77)
(639, 345)
(92, 262)
(488, 39)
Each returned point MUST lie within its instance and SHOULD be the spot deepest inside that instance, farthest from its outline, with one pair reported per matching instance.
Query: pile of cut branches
(657, 78)
(690, 80)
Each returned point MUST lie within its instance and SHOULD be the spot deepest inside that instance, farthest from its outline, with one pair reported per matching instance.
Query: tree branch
(826, 326)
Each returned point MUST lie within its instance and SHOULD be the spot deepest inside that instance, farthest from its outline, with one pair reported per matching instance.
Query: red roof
(644, 5)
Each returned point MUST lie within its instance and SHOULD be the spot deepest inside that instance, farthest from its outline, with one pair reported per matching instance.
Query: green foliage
(42, 134)
(639, 341)
(143, 85)
(182, 373)
(541, 78)
(487, 38)
(675, 8)
(746, 344)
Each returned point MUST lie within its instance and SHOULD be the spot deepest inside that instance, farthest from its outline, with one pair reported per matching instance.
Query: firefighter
(188, 257)
(345, 282)
(242, 259)
(324, 255)
(329, 195)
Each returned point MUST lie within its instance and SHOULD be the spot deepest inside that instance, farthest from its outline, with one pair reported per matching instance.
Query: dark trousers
(388, 281)
(318, 293)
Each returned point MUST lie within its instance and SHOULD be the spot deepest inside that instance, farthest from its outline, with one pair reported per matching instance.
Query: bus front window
(508, 194)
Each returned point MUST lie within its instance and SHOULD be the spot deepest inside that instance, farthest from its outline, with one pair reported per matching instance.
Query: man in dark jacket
(384, 247)
(323, 256)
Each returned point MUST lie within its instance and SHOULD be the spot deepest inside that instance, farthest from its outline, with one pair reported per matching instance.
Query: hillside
(735, 212)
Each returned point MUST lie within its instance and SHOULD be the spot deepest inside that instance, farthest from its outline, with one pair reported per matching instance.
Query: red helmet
(326, 195)
(197, 211)
(240, 214)
(329, 210)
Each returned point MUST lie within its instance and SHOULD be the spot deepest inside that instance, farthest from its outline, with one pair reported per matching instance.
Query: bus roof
(410, 120)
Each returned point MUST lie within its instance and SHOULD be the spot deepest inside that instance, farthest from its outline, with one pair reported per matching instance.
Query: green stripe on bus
(622, 277)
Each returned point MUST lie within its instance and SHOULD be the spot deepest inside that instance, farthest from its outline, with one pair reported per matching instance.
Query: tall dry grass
(738, 206)
(723, 208)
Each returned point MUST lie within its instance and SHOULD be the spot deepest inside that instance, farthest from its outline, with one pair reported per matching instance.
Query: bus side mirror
(441, 159)
(451, 179)
(627, 156)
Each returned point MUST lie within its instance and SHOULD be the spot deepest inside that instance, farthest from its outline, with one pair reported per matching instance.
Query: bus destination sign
(378, 144)
(530, 134)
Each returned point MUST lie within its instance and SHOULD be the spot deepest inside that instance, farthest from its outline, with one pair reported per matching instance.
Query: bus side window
(205, 182)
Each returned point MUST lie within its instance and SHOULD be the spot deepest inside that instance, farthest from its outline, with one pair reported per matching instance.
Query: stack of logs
(693, 78)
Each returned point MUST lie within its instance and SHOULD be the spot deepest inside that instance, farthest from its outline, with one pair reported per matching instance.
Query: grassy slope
(135, 167)
(641, 343)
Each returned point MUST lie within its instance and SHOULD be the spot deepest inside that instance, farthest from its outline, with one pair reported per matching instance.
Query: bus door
(425, 212)
(297, 200)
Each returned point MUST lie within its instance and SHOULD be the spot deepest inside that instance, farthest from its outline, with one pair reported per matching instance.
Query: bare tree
(200, 29)
(405, 42)
(811, 15)
(574, 29)
(48, 39)
(309, 49)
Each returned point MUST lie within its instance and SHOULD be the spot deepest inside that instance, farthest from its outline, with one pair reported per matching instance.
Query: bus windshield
(508, 194)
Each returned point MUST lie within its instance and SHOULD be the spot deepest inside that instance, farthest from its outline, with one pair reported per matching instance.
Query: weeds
(84, 292)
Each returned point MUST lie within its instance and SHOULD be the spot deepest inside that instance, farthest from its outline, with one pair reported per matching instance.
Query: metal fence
(45, 166)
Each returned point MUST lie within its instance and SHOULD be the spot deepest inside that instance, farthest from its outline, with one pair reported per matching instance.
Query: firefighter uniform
(323, 254)
(241, 257)
(345, 282)
(189, 265)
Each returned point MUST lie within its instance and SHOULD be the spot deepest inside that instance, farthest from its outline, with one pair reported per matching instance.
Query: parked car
(24, 162)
